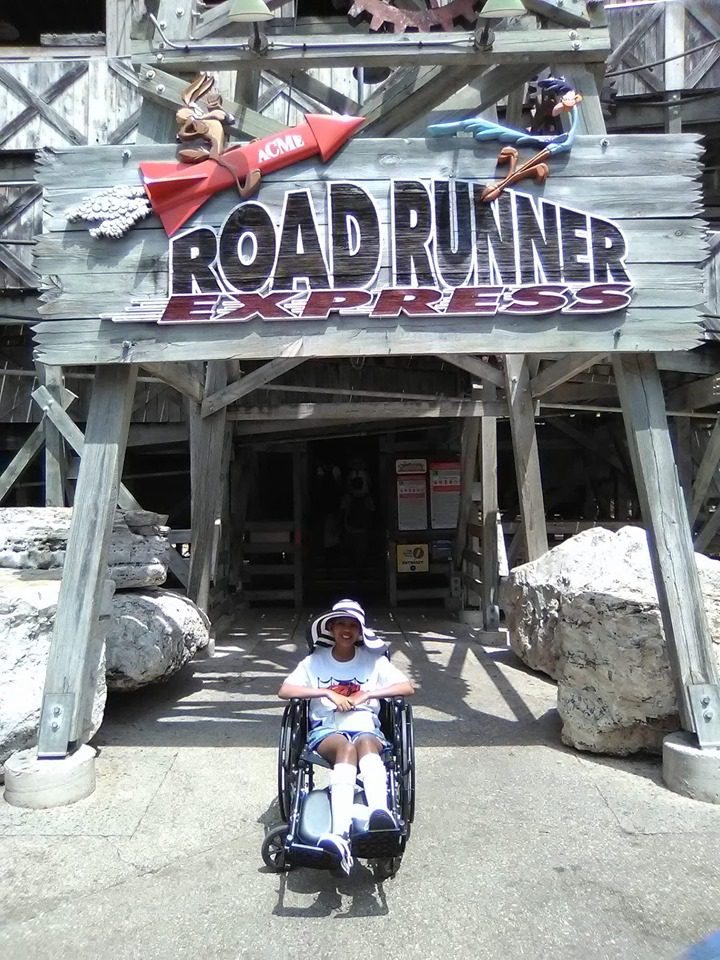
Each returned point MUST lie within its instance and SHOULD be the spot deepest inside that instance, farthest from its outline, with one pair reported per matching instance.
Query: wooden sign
(387, 249)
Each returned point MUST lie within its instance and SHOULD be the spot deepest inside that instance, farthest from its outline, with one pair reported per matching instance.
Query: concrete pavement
(521, 848)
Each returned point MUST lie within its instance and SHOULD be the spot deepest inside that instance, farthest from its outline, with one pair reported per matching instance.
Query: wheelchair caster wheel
(273, 849)
(386, 869)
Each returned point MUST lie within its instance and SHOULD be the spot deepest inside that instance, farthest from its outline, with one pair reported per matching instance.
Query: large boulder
(587, 614)
(35, 538)
(28, 600)
(152, 634)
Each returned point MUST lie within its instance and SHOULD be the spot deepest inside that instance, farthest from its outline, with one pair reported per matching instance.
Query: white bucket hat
(320, 629)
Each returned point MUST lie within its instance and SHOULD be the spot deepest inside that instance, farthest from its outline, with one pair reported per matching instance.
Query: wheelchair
(306, 810)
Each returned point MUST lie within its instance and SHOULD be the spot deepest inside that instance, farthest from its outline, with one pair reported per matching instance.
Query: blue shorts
(318, 734)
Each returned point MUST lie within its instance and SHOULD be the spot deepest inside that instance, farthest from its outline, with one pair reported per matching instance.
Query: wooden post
(207, 436)
(299, 462)
(487, 452)
(76, 642)
(525, 450)
(55, 460)
(671, 552)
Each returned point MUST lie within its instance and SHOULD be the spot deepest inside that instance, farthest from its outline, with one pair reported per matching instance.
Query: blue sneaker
(382, 820)
(339, 847)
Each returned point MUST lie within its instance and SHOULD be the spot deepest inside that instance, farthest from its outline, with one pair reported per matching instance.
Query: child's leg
(373, 772)
(343, 755)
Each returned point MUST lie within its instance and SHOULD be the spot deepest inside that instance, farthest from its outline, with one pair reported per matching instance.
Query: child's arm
(403, 688)
(289, 691)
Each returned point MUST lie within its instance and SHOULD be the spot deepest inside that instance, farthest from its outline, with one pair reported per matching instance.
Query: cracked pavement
(521, 848)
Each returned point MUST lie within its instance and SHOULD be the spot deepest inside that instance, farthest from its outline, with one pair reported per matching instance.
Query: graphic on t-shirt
(346, 688)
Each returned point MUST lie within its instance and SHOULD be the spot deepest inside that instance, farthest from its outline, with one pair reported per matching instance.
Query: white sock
(374, 780)
(342, 796)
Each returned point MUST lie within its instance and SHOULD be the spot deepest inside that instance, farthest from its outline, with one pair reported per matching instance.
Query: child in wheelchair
(344, 679)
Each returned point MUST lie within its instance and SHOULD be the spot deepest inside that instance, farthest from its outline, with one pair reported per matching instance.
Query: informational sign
(412, 502)
(444, 494)
(376, 252)
(412, 558)
(411, 465)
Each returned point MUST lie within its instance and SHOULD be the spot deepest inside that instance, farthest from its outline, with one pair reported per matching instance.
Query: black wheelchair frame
(284, 847)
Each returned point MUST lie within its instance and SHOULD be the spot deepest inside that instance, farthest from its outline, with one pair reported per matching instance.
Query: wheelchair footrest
(378, 844)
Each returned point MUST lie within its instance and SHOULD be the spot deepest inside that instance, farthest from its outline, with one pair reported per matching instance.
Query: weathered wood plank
(475, 366)
(386, 410)
(96, 341)
(55, 461)
(453, 49)
(74, 650)
(671, 551)
(626, 156)
(562, 370)
(705, 472)
(257, 378)
(491, 530)
(179, 376)
(525, 450)
(207, 436)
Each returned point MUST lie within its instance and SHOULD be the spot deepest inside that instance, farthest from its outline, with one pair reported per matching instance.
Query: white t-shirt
(367, 670)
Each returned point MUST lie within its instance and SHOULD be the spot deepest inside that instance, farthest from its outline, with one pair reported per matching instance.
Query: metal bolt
(576, 45)
(179, 12)
(604, 142)
(160, 88)
(163, 25)
(126, 154)
(149, 74)
(54, 725)
(561, 3)
(159, 57)
(573, 34)
(57, 711)
(708, 715)
(705, 701)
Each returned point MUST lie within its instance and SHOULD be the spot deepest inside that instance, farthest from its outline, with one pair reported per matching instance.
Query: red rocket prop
(177, 190)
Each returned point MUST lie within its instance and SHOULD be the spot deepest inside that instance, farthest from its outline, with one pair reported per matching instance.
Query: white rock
(152, 634)
(36, 538)
(28, 600)
(587, 614)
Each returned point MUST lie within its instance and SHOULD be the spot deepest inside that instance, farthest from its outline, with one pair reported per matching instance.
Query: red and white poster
(444, 494)
(412, 502)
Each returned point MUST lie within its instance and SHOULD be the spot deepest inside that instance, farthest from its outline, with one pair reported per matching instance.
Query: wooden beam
(491, 529)
(207, 440)
(475, 366)
(525, 450)
(562, 370)
(317, 90)
(694, 396)
(240, 388)
(424, 49)
(29, 450)
(55, 465)
(671, 552)
(177, 375)
(371, 411)
(706, 472)
(75, 648)
(468, 467)
(411, 93)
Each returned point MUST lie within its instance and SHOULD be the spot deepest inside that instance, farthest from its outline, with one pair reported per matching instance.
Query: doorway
(345, 529)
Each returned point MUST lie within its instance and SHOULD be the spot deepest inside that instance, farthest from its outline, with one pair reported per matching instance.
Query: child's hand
(342, 703)
(362, 696)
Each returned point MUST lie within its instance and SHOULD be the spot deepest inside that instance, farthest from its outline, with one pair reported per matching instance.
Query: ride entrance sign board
(387, 248)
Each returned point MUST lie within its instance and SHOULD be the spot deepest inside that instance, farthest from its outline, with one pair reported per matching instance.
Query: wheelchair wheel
(290, 748)
(273, 849)
(405, 747)
(386, 869)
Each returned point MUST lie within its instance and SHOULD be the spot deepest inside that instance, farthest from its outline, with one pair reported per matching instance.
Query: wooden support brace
(706, 472)
(207, 439)
(681, 602)
(74, 649)
(470, 434)
(240, 388)
(475, 366)
(29, 450)
(55, 465)
(561, 371)
(491, 528)
(525, 450)
(179, 376)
